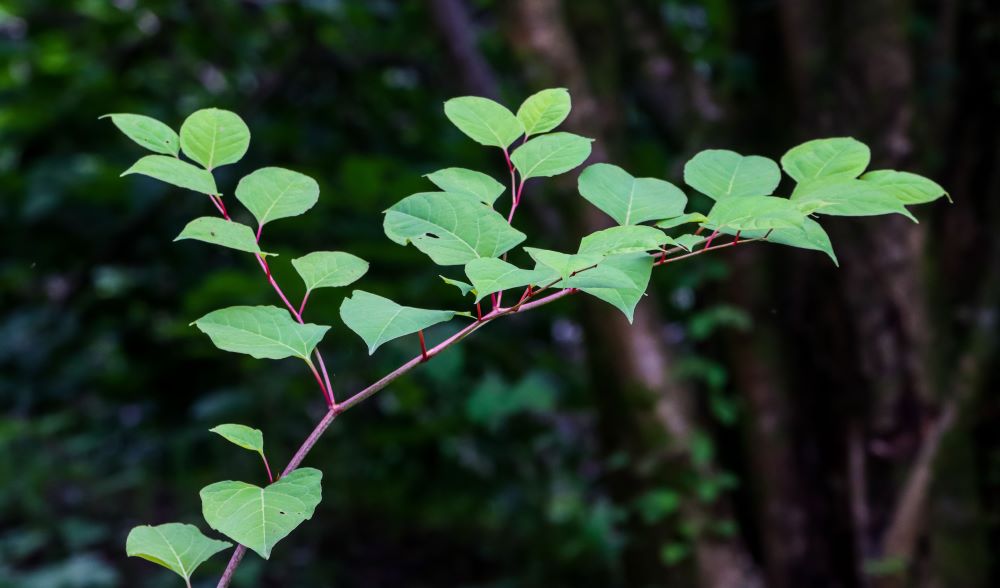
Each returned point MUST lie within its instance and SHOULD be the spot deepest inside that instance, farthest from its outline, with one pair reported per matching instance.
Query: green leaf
(329, 269)
(214, 137)
(755, 212)
(148, 132)
(626, 239)
(177, 547)
(550, 155)
(378, 320)
(689, 242)
(264, 332)
(629, 272)
(450, 228)
(627, 199)
(544, 111)
(839, 156)
(908, 188)
(478, 185)
(218, 231)
(563, 264)
(843, 196)
(271, 193)
(174, 171)
(718, 173)
(465, 288)
(241, 435)
(691, 217)
(809, 236)
(484, 121)
(490, 275)
(261, 517)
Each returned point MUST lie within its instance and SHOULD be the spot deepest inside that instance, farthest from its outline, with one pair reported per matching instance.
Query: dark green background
(808, 394)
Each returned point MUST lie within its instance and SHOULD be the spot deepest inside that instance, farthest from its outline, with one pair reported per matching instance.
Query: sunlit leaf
(148, 132)
(329, 269)
(174, 171)
(242, 436)
(214, 137)
(490, 275)
(484, 121)
(544, 111)
(450, 228)
(625, 239)
(378, 320)
(218, 231)
(838, 156)
(478, 185)
(271, 193)
(627, 199)
(550, 155)
(177, 547)
(844, 196)
(755, 212)
(907, 187)
(718, 173)
(261, 517)
(264, 332)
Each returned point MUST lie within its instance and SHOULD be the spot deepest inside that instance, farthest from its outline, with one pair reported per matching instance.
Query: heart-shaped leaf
(261, 517)
(271, 193)
(627, 199)
(550, 155)
(450, 228)
(484, 121)
(263, 332)
(214, 137)
(544, 111)
(329, 269)
(819, 158)
(378, 320)
(148, 132)
(218, 231)
(174, 171)
(179, 548)
(718, 173)
(478, 185)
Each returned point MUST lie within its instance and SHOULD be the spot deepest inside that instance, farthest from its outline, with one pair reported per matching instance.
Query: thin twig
(361, 396)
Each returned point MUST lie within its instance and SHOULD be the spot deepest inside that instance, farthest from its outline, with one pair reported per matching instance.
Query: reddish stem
(479, 312)
(363, 395)
(302, 307)
(270, 478)
(423, 346)
(319, 380)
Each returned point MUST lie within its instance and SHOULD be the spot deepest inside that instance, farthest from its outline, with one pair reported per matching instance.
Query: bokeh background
(769, 419)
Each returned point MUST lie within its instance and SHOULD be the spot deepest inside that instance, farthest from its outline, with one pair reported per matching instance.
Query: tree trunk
(643, 410)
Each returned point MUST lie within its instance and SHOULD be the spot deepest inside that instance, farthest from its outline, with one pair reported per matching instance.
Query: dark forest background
(769, 419)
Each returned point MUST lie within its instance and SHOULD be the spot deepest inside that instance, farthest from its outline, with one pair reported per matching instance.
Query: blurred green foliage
(479, 470)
